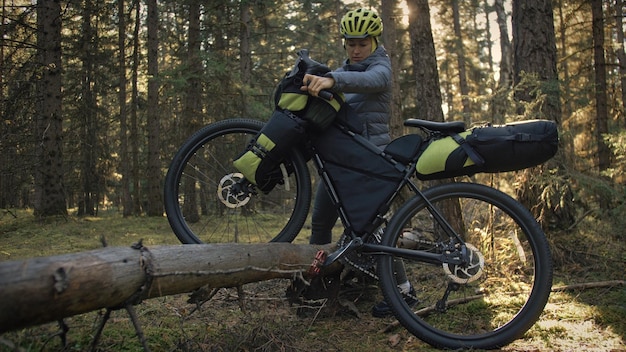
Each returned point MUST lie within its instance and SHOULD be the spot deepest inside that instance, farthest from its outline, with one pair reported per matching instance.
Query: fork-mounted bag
(268, 149)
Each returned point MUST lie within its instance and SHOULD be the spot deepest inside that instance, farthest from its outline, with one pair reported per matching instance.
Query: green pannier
(268, 149)
(490, 149)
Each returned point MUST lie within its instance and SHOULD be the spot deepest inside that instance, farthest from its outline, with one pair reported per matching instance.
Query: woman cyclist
(365, 80)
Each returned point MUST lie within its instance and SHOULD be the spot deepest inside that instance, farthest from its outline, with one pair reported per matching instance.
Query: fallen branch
(587, 285)
(40, 290)
(8, 211)
(580, 219)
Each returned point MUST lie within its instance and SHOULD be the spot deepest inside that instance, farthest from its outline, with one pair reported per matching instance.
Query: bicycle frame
(455, 252)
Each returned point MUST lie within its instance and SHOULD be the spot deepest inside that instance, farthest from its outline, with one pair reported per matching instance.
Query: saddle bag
(489, 149)
(268, 149)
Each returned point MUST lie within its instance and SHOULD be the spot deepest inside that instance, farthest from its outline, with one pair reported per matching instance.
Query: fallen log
(40, 290)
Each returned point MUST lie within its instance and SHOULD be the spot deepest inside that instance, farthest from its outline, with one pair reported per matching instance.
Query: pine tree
(153, 169)
(49, 190)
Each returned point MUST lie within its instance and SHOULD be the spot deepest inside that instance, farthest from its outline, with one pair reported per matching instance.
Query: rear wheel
(486, 304)
(206, 202)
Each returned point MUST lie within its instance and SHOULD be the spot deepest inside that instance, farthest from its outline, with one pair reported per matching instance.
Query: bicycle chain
(360, 268)
(371, 261)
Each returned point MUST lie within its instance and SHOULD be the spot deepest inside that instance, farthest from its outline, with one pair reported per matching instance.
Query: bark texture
(40, 290)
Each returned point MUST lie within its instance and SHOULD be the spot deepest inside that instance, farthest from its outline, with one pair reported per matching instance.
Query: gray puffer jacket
(367, 87)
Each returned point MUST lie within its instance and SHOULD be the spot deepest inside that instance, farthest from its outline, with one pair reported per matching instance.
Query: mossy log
(40, 290)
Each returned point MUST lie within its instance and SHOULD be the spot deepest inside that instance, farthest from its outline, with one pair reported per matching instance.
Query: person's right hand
(314, 84)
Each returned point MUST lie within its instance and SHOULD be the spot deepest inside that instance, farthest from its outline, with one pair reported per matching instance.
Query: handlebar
(315, 68)
(324, 94)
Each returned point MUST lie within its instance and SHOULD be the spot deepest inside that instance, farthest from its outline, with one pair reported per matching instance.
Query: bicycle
(479, 262)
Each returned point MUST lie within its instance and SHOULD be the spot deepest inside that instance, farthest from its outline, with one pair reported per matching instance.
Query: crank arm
(334, 256)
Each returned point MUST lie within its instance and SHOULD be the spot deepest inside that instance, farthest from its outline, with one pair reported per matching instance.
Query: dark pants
(323, 218)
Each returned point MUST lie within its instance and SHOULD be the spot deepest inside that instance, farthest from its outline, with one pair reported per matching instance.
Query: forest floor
(592, 319)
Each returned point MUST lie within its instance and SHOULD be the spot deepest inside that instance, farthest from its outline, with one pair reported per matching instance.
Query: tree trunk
(8, 196)
(564, 65)
(535, 53)
(153, 176)
(49, 190)
(39, 290)
(193, 108)
(428, 97)
(460, 59)
(599, 67)
(505, 80)
(134, 123)
(506, 66)
(620, 53)
(488, 46)
(89, 142)
(390, 41)
(126, 200)
(245, 62)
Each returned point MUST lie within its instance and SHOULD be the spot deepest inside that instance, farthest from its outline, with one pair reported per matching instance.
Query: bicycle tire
(195, 192)
(495, 303)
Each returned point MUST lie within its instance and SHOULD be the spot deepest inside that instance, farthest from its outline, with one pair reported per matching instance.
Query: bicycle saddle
(446, 127)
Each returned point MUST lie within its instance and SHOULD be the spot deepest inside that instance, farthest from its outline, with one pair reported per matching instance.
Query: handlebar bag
(489, 149)
(260, 161)
(319, 112)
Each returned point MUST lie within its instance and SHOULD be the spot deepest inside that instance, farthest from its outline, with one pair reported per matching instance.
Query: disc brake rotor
(226, 192)
(471, 272)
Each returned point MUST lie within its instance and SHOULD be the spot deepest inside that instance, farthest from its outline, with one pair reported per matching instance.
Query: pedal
(317, 264)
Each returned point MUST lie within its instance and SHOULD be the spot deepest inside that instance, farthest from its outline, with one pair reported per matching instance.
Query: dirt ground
(259, 317)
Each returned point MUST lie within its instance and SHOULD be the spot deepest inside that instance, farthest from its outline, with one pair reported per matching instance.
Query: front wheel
(204, 205)
(489, 302)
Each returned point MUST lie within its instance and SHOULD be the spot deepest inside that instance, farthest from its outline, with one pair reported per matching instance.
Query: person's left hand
(314, 84)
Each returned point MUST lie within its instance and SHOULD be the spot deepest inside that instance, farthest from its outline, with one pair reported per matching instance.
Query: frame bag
(490, 149)
(361, 176)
